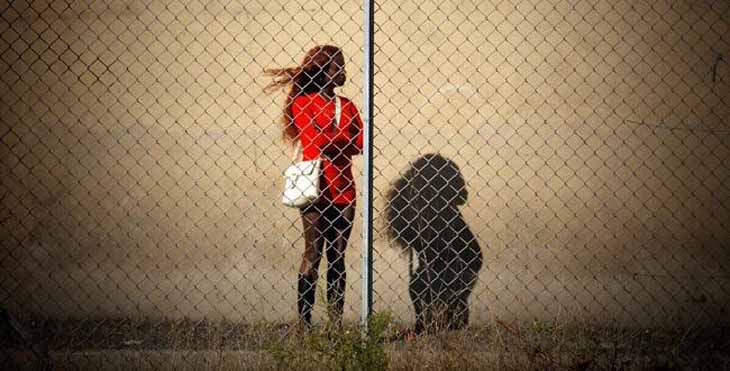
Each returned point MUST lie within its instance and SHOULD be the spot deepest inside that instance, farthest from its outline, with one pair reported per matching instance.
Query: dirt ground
(205, 345)
(141, 159)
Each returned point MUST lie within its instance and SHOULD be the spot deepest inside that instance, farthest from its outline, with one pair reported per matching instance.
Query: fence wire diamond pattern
(532, 159)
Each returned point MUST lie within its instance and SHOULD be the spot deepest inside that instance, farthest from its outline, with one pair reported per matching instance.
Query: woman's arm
(355, 129)
(327, 142)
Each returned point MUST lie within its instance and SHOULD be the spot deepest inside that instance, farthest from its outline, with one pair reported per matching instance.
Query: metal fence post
(367, 262)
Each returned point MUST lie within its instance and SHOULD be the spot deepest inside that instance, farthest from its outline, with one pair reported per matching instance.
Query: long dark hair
(308, 77)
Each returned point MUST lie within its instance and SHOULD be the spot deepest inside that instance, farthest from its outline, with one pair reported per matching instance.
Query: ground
(185, 344)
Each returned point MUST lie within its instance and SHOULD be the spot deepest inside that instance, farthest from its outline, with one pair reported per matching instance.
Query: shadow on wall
(423, 217)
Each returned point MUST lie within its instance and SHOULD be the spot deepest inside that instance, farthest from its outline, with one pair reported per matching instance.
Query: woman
(309, 117)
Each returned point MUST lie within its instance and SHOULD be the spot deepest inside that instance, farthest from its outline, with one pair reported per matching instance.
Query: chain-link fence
(533, 159)
(592, 139)
(143, 160)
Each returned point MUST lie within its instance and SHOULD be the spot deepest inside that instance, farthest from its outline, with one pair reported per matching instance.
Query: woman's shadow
(423, 218)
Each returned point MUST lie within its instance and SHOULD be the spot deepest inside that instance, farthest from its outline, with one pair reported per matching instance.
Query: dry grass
(124, 344)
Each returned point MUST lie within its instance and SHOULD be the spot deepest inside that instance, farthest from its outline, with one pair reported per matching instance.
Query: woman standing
(309, 117)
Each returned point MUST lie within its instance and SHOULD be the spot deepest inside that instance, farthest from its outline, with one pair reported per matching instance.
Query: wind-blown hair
(308, 77)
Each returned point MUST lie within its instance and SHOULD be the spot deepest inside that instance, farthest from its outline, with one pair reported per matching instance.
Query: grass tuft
(335, 348)
(148, 344)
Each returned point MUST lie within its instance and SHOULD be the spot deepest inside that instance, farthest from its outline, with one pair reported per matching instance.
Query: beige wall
(141, 159)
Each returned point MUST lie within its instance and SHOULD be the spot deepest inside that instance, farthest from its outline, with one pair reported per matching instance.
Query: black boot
(306, 288)
(335, 297)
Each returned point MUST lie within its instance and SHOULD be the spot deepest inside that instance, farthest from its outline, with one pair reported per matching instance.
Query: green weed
(335, 348)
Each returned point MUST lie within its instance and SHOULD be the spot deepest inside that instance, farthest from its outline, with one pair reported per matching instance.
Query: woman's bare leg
(337, 235)
(308, 270)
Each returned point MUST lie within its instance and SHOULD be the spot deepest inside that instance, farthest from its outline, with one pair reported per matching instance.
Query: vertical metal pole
(367, 229)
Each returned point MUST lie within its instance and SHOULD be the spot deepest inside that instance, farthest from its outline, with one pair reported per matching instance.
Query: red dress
(335, 145)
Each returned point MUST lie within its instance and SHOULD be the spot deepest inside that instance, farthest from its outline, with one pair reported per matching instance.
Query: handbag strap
(338, 112)
(297, 152)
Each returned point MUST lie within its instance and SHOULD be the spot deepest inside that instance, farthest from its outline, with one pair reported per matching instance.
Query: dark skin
(335, 71)
(326, 229)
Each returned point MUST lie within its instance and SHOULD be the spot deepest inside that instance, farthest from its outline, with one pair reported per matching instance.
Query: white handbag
(301, 179)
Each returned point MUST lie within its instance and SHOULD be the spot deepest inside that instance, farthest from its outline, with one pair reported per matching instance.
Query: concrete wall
(141, 159)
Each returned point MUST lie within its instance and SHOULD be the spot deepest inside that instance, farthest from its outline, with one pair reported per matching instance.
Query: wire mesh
(143, 161)
(532, 159)
(580, 159)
